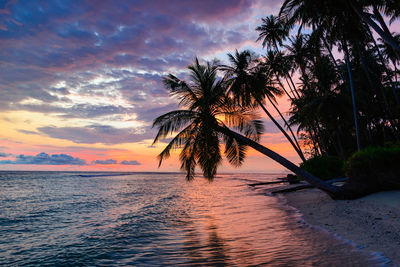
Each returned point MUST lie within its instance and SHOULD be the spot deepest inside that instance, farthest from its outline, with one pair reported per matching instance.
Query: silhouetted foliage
(324, 167)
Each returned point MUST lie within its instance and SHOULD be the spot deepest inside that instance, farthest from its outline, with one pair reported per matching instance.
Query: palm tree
(279, 65)
(273, 31)
(199, 125)
(201, 129)
(251, 85)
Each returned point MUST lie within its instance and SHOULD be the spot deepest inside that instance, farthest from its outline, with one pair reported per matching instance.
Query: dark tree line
(346, 96)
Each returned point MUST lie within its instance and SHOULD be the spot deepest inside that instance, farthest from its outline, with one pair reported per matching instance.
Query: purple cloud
(4, 155)
(45, 159)
(92, 134)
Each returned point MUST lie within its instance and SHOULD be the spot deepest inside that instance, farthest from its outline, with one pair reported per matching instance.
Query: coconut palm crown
(206, 109)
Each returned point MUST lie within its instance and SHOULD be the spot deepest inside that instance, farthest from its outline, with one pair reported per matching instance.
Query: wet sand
(372, 222)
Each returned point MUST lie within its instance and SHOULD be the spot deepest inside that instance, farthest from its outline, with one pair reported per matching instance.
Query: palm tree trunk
(351, 190)
(286, 123)
(343, 155)
(291, 90)
(321, 139)
(287, 74)
(281, 129)
(388, 38)
(346, 54)
(328, 188)
(294, 86)
(283, 88)
(314, 141)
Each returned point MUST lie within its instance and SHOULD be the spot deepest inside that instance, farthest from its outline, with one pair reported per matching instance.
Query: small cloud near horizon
(130, 162)
(104, 162)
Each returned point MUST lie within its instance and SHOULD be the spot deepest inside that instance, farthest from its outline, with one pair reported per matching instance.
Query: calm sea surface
(154, 219)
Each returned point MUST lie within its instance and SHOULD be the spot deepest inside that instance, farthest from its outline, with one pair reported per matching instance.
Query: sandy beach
(372, 222)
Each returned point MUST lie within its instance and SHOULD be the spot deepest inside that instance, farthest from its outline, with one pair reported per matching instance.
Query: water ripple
(96, 219)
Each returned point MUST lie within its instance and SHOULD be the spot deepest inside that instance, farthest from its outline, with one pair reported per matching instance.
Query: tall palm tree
(279, 65)
(273, 32)
(201, 129)
(251, 85)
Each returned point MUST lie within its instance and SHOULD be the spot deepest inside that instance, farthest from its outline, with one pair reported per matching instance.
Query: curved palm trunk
(291, 90)
(294, 86)
(328, 188)
(321, 139)
(281, 129)
(286, 123)
(346, 52)
(283, 88)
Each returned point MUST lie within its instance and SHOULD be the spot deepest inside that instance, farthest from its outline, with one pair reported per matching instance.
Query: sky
(80, 81)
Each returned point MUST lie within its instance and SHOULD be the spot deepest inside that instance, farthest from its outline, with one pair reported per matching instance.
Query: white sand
(372, 222)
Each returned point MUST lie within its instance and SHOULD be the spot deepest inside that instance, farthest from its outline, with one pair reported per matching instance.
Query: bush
(375, 166)
(324, 167)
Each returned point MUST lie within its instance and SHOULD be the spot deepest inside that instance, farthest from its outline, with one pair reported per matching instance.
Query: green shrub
(376, 166)
(324, 167)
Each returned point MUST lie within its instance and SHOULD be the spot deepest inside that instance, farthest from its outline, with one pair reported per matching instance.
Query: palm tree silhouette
(201, 129)
(250, 84)
(200, 124)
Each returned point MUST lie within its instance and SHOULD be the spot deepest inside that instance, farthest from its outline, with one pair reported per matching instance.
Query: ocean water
(156, 219)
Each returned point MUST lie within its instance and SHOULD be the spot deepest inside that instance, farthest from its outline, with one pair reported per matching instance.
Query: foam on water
(84, 219)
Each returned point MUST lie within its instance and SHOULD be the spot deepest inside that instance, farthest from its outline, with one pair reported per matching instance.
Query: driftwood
(303, 185)
(291, 189)
(267, 183)
(337, 180)
(294, 184)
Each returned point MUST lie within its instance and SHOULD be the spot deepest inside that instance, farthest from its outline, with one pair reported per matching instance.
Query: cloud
(104, 162)
(130, 162)
(27, 132)
(4, 155)
(92, 134)
(52, 43)
(45, 159)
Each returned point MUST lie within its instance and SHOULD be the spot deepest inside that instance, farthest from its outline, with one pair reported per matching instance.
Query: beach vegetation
(325, 167)
(378, 167)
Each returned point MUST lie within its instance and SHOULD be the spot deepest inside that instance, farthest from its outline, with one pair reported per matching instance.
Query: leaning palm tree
(210, 118)
(208, 112)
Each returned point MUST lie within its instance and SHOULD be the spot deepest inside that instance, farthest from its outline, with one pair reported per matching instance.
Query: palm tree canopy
(272, 31)
(206, 108)
(248, 79)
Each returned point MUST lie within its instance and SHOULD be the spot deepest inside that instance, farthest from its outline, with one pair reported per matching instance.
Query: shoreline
(371, 222)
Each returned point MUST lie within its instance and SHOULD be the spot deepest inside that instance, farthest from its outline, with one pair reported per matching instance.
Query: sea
(159, 219)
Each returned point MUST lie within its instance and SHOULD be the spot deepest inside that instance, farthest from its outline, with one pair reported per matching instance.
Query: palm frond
(176, 143)
(235, 151)
(171, 122)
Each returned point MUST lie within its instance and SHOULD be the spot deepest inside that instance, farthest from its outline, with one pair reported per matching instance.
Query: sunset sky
(80, 81)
